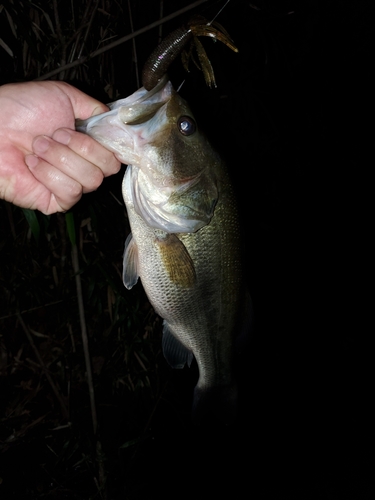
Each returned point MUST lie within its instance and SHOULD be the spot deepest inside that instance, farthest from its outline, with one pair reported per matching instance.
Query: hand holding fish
(44, 163)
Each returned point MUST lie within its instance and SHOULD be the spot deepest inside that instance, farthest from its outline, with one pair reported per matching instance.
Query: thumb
(100, 108)
(83, 105)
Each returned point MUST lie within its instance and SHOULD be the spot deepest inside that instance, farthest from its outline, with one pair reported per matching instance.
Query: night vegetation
(89, 408)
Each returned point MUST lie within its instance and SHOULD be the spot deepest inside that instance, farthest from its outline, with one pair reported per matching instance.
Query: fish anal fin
(174, 352)
(130, 270)
(177, 261)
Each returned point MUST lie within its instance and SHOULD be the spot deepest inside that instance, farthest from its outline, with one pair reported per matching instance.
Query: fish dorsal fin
(176, 260)
(174, 352)
(130, 270)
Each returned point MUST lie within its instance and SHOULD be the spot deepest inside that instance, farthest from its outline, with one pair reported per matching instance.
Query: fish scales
(185, 235)
(204, 316)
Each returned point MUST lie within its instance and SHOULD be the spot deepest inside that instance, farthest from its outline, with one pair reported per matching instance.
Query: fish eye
(186, 125)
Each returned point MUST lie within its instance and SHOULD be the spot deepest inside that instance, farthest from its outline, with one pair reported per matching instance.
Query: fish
(185, 240)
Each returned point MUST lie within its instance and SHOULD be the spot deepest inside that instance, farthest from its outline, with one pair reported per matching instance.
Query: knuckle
(116, 165)
(86, 146)
(98, 155)
(112, 165)
(75, 190)
(97, 178)
(63, 160)
(94, 180)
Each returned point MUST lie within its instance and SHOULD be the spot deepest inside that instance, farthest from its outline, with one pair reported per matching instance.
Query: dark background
(304, 430)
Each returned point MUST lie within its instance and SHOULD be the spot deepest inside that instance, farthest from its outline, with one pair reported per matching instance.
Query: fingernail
(99, 110)
(31, 161)
(62, 136)
(41, 144)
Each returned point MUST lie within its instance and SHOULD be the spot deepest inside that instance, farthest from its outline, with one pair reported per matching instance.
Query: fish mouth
(141, 98)
(117, 129)
(143, 104)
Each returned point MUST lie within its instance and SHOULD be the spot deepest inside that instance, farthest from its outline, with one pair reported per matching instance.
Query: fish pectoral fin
(177, 260)
(174, 352)
(130, 272)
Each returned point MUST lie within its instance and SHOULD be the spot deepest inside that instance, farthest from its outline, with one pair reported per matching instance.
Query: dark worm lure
(174, 44)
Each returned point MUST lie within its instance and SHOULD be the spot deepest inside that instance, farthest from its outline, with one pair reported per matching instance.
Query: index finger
(89, 149)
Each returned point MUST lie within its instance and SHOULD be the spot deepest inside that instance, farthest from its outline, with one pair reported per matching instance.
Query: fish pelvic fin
(130, 270)
(219, 402)
(174, 352)
(176, 260)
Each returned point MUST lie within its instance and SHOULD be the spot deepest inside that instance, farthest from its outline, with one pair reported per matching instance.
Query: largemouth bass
(185, 235)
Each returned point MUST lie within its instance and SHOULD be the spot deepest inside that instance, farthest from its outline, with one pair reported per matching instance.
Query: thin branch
(43, 366)
(120, 41)
(60, 35)
(102, 490)
(78, 32)
(32, 309)
(134, 46)
(88, 28)
(161, 10)
(85, 340)
(57, 20)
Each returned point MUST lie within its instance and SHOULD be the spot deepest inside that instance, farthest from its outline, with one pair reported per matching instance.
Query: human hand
(44, 163)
